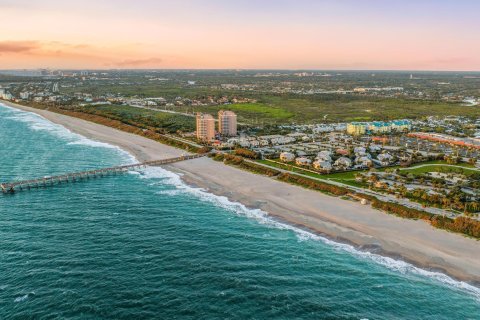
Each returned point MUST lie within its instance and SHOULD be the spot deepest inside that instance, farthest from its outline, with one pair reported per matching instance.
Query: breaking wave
(38, 123)
(174, 179)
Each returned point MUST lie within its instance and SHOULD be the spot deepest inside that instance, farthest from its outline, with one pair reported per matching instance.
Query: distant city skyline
(214, 34)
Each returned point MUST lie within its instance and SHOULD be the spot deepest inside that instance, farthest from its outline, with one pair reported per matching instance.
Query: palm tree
(475, 206)
(446, 201)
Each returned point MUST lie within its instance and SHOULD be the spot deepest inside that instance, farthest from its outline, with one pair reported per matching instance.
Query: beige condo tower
(227, 123)
(205, 127)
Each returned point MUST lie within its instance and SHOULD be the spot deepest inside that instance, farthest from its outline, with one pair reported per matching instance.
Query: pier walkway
(12, 187)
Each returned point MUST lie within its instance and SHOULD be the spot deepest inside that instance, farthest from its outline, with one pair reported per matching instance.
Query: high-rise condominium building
(205, 127)
(227, 123)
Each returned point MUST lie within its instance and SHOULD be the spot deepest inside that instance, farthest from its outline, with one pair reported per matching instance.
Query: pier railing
(11, 187)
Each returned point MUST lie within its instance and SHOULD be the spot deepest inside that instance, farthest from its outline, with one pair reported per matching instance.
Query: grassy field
(313, 109)
(166, 121)
(345, 108)
(260, 109)
(142, 88)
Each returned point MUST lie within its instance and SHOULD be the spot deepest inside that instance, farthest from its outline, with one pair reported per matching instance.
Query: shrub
(313, 184)
(246, 153)
(463, 225)
(204, 150)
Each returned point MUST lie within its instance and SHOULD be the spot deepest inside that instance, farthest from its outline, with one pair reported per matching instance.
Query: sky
(241, 34)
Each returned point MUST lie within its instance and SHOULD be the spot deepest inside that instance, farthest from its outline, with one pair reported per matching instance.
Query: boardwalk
(11, 187)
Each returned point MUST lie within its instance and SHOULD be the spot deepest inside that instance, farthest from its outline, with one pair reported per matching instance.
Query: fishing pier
(12, 187)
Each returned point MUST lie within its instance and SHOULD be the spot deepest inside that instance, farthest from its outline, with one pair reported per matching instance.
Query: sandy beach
(345, 221)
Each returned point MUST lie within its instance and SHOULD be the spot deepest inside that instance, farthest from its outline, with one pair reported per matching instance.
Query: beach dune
(341, 220)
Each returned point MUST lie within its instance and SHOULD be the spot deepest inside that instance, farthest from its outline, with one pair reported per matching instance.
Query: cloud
(66, 45)
(18, 46)
(37, 47)
(139, 62)
(49, 50)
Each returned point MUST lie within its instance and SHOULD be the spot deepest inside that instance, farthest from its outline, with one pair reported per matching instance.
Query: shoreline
(342, 221)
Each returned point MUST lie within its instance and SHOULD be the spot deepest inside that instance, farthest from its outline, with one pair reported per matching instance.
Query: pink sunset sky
(263, 34)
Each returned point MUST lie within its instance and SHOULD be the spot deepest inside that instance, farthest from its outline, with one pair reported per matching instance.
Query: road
(378, 195)
(163, 110)
(183, 140)
(439, 164)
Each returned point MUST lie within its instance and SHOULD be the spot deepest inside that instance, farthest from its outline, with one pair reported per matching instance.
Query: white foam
(38, 123)
(169, 192)
(24, 297)
(129, 158)
(262, 217)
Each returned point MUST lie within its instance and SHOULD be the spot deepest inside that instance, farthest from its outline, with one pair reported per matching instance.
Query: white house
(287, 156)
(24, 95)
(363, 161)
(375, 148)
(343, 163)
(324, 156)
(263, 143)
(385, 159)
(302, 161)
(323, 165)
(360, 150)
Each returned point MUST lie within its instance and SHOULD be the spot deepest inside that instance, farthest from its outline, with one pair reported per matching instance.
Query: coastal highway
(380, 196)
(182, 140)
(442, 165)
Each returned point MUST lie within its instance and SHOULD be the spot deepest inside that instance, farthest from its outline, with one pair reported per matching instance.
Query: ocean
(144, 245)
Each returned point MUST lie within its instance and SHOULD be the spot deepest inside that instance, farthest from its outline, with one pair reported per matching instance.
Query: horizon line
(237, 69)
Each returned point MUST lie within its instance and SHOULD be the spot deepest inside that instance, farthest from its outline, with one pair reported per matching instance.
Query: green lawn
(259, 108)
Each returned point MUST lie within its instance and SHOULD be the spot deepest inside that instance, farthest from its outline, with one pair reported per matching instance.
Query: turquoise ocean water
(146, 246)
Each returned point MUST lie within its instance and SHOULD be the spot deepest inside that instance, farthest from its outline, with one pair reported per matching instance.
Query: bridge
(12, 187)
